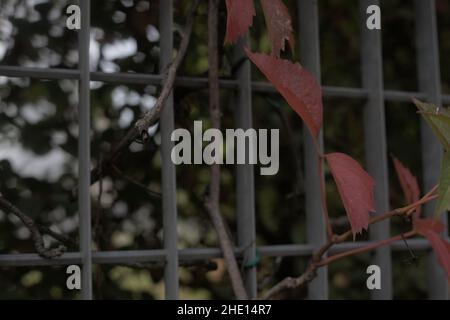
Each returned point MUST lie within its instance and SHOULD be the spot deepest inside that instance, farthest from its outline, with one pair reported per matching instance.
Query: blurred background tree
(38, 144)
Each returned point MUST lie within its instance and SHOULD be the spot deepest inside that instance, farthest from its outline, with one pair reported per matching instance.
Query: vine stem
(139, 129)
(212, 199)
(290, 283)
(35, 230)
(367, 248)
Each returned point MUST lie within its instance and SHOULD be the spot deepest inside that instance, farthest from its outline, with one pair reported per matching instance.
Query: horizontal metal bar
(98, 257)
(113, 257)
(155, 79)
(194, 82)
(116, 77)
(41, 73)
(328, 91)
(32, 259)
(190, 254)
(402, 96)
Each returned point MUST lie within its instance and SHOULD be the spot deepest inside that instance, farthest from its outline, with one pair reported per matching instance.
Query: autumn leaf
(444, 186)
(409, 185)
(240, 15)
(438, 119)
(424, 225)
(279, 25)
(441, 248)
(355, 187)
(296, 84)
(430, 229)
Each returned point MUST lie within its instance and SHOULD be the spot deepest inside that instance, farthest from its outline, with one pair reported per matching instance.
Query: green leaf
(444, 186)
(442, 124)
(438, 119)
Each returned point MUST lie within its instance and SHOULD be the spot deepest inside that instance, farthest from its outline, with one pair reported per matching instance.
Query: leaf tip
(356, 189)
(239, 19)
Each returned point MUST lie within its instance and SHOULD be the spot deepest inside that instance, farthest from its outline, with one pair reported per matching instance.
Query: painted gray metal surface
(169, 186)
(245, 181)
(315, 224)
(189, 254)
(375, 143)
(84, 154)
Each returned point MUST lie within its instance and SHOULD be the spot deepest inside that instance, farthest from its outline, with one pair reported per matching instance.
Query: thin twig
(290, 283)
(367, 248)
(140, 128)
(34, 230)
(57, 236)
(213, 197)
(150, 192)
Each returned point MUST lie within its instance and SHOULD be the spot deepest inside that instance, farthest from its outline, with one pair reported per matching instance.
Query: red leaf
(239, 18)
(355, 187)
(441, 248)
(296, 84)
(279, 24)
(424, 225)
(430, 229)
(409, 185)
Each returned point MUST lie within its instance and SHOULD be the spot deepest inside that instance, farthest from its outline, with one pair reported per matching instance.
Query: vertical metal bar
(84, 154)
(315, 224)
(169, 188)
(375, 142)
(245, 184)
(430, 83)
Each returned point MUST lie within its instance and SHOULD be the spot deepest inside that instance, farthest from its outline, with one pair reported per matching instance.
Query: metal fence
(375, 139)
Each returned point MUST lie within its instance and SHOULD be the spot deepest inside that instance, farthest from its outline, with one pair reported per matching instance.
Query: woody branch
(37, 231)
(148, 119)
(212, 199)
